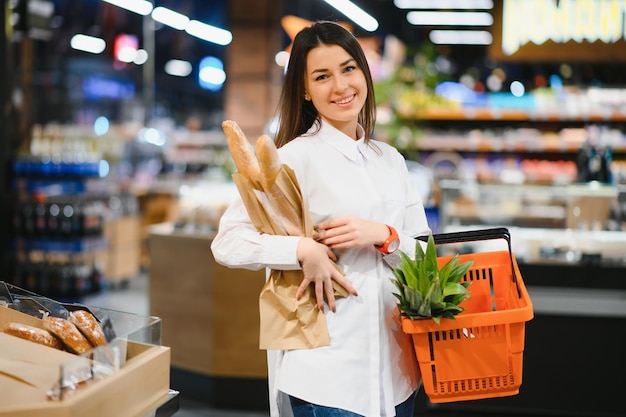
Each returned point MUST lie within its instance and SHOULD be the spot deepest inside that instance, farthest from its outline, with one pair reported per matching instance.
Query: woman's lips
(345, 100)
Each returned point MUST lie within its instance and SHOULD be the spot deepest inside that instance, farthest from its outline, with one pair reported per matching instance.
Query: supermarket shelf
(63, 245)
(494, 114)
(464, 144)
(476, 142)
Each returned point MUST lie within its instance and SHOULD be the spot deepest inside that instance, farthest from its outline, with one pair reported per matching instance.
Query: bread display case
(127, 376)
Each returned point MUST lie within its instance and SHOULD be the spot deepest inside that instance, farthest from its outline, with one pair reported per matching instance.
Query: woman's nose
(340, 83)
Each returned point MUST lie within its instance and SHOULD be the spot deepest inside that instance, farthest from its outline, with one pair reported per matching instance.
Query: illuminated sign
(539, 21)
(562, 29)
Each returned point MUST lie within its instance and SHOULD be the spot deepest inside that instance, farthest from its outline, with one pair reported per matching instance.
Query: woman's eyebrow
(343, 64)
(346, 62)
(319, 70)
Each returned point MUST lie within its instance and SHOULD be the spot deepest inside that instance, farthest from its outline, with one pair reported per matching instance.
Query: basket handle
(474, 236)
(471, 236)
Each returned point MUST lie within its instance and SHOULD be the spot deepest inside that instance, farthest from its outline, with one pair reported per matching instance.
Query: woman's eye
(321, 77)
(350, 68)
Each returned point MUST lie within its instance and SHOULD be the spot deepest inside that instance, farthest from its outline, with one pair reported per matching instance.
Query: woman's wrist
(303, 247)
(391, 243)
(383, 235)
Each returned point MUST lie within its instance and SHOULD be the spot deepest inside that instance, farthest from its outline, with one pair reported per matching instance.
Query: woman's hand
(351, 232)
(318, 267)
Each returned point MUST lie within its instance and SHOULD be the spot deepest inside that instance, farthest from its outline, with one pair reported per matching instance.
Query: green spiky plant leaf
(427, 291)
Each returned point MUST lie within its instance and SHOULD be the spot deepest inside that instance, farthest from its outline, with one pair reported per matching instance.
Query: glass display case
(549, 223)
(126, 376)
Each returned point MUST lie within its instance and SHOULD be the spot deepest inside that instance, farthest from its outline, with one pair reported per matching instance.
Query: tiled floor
(193, 408)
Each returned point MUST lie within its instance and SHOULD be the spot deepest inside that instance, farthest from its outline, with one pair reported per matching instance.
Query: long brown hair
(297, 115)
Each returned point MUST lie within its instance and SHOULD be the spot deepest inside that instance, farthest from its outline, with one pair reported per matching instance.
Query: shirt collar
(340, 141)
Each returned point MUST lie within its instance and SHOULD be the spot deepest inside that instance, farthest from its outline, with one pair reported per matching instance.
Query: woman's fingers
(319, 269)
(302, 288)
(345, 283)
(323, 292)
(331, 255)
(350, 232)
(322, 289)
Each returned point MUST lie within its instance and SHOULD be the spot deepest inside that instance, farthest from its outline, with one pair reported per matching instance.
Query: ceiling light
(141, 57)
(142, 7)
(449, 18)
(211, 75)
(355, 13)
(461, 37)
(170, 18)
(209, 33)
(41, 8)
(88, 43)
(282, 58)
(444, 4)
(178, 68)
(127, 54)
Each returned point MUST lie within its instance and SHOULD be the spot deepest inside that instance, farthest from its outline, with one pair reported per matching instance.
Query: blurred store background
(510, 113)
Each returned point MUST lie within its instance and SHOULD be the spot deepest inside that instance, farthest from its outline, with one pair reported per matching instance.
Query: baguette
(286, 214)
(241, 150)
(33, 334)
(269, 161)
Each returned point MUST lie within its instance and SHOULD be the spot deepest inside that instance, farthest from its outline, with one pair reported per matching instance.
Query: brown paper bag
(286, 323)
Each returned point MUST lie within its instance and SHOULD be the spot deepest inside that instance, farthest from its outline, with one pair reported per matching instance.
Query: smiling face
(336, 85)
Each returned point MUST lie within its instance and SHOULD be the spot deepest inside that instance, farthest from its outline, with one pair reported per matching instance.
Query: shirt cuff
(281, 252)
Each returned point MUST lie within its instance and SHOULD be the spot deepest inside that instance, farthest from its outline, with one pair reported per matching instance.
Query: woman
(366, 210)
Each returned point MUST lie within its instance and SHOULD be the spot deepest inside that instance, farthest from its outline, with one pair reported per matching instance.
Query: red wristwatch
(391, 244)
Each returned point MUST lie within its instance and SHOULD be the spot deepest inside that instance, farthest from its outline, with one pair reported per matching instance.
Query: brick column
(253, 79)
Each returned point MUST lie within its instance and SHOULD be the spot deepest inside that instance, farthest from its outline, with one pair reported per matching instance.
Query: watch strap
(393, 236)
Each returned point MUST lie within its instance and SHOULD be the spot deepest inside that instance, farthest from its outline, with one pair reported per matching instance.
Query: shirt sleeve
(414, 223)
(238, 244)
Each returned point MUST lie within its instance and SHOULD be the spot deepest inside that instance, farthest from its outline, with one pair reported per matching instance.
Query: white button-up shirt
(369, 366)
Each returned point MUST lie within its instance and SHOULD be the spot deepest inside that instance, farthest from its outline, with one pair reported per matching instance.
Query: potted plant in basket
(427, 291)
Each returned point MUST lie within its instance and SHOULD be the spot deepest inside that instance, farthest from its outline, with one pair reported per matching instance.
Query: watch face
(393, 245)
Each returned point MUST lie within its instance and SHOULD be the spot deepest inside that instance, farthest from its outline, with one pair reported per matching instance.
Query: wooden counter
(209, 313)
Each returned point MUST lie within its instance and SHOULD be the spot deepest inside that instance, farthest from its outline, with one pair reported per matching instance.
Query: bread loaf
(68, 334)
(241, 151)
(88, 326)
(269, 161)
(33, 334)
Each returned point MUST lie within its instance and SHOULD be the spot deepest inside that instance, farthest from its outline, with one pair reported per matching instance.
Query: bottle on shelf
(53, 223)
(41, 227)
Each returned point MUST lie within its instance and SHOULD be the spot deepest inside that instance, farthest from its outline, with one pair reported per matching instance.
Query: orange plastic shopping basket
(478, 354)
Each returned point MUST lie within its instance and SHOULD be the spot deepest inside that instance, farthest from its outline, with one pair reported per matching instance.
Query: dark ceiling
(57, 65)
(391, 19)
